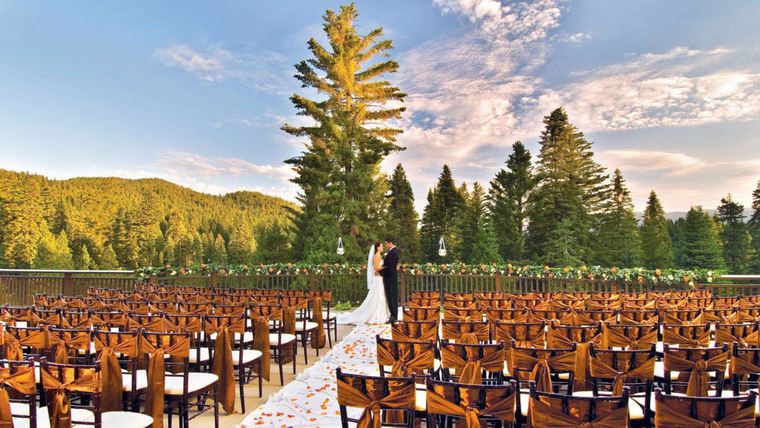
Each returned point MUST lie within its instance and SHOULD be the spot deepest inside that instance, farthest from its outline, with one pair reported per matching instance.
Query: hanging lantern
(341, 250)
(442, 248)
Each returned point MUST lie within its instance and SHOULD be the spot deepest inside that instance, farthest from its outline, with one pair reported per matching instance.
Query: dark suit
(390, 280)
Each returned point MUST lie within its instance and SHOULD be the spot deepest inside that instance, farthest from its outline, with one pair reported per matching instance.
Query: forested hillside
(119, 223)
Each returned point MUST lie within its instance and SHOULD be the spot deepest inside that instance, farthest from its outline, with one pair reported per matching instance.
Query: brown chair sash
(22, 381)
(555, 339)
(722, 336)
(613, 337)
(741, 367)
(402, 365)
(699, 377)
(576, 318)
(13, 349)
(400, 398)
(540, 368)
(671, 337)
(545, 416)
(41, 339)
(288, 320)
(491, 362)
(223, 368)
(600, 369)
(318, 340)
(60, 407)
(461, 331)
(402, 332)
(154, 396)
(503, 409)
(668, 416)
(110, 374)
(261, 343)
(127, 345)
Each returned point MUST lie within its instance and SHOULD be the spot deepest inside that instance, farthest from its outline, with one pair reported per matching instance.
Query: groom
(390, 277)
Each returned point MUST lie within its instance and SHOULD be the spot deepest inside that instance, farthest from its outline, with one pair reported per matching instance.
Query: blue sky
(195, 92)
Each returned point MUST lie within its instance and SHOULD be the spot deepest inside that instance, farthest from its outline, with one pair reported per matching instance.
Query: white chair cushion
(420, 400)
(247, 337)
(109, 419)
(196, 381)
(286, 338)
(203, 352)
(142, 380)
(309, 326)
(126, 420)
(635, 411)
(248, 355)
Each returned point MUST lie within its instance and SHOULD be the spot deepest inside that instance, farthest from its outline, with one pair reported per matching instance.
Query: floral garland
(664, 276)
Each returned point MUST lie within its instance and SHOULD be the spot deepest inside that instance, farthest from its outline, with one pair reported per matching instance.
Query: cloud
(262, 71)
(651, 160)
(183, 163)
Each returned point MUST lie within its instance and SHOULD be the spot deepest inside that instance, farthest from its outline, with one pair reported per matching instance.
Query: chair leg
(282, 379)
(304, 336)
(329, 338)
(216, 406)
(260, 379)
(241, 379)
(295, 351)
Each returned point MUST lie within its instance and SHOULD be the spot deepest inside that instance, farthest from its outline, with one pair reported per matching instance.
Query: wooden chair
(330, 321)
(415, 330)
(551, 410)
(745, 368)
(686, 334)
(284, 345)
(449, 402)
(456, 357)
(304, 327)
(676, 411)
(125, 344)
(707, 367)
(200, 354)
(422, 313)
(403, 358)
(458, 330)
(18, 379)
(80, 385)
(396, 399)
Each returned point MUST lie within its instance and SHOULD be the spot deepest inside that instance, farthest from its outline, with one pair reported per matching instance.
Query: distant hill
(145, 221)
(675, 215)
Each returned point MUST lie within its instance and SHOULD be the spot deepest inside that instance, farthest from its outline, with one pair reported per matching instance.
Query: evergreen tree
(60, 219)
(478, 244)
(52, 251)
(242, 244)
(179, 239)
(273, 245)
(656, 243)
(563, 247)
(108, 259)
(572, 190)
(734, 235)
(754, 230)
(440, 218)
(342, 189)
(82, 260)
(220, 252)
(402, 216)
(21, 217)
(508, 197)
(618, 242)
(697, 241)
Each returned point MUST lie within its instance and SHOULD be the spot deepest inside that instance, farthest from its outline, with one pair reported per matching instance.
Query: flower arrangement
(660, 276)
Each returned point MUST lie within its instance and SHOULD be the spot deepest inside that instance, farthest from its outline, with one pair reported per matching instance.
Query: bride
(374, 308)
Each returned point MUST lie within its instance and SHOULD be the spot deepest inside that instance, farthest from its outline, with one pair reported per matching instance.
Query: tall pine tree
(571, 193)
(402, 217)
(697, 241)
(342, 189)
(508, 199)
(478, 243)
(242, 244)
(734, 236)
(618, 242)
(441, 217)
(656, 244)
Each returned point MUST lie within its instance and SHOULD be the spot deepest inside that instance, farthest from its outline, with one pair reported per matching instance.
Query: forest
(112, 223)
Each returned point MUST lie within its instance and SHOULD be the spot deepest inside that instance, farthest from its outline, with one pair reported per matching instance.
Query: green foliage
(273, 245)
(618, 242)
(242, 244)
(342, 190)
(441, 217)
(508, 198)
(734, 236)
(571, 194)
(402, 217)
(696, 241)
(52, 251)
(143, 222)
(478, 244)
(656, 243)
(754, 230)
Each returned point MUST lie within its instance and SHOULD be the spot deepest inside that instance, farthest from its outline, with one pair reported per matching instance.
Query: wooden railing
(735, 285)
(17, 286)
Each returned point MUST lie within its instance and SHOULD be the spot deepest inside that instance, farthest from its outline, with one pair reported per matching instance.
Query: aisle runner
(311, 399)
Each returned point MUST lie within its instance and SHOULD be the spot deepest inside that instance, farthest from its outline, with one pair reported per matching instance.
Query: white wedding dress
(374, 308)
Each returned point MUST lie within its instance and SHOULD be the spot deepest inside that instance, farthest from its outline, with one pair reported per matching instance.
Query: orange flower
(591, 276)
(364, 267)
(657, 272)
(416, 265)
(546, 268)
(168, 266)
(203, 265)
(290, 264)
(509, 265)
(686, 278)
(567, 269)
(304, 270)
(245, 267)
(511, 271)
(482, 267)
(182, 271)
(444, 267)
(324, 266)
(336, 265)
(641, 279)
(613, 270)
(493, 264)
(551, 275)
(429, 264)
(584, 268)
(271, 270)
(261, 265)
(463, 270)
(223, 271)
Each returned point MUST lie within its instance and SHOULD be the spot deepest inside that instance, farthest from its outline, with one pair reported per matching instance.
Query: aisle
(311, 399)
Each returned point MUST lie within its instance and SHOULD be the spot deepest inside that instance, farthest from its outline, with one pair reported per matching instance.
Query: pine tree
(754, 230)
(60, 219)
(478, 244)
(242, 244)
(508, 197)
(220, 252)
(342, 189)
(656, 243)
(273, 245)
(698, 242)
(441, 217)
(734, 236)
(21, 217)
(52, 251)
(108, 259)
(618, 242)
(82, 259)
(402, 217)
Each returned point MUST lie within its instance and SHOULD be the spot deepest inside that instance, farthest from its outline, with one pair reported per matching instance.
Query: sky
(195, 92)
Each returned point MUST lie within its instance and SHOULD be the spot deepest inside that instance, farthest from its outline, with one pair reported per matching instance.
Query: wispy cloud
(183, 163)
(262, 70)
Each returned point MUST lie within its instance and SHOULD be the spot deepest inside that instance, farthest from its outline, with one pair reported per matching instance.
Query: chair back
(701, 369)
(551, 410)
(471, 403)
(426, 330)
(676, 411)
(18, 376)
(64, 381)
(462, 331)
(405, 358)
(484, 363)
(378, 397)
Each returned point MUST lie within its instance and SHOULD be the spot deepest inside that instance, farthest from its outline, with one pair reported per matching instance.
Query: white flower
(709, 273)
(691, 283)
(709, 279)
(670, 277)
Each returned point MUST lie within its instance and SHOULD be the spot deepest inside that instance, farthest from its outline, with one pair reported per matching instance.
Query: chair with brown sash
(701, 371)
(198, 308)
(523, 334)
(21, 316)
(282, 338)
(304, 328)
(426, 295)
(551, 410)
(461, 331)
(415, 330)
(553, 369)
(629, 336)
(330, 321)
(241, 354)
(485, 360)
(516, 315)
(638, 317)
(387, 401)
(75, 398)
(18, 394)
(612, 370)
(422, 313)
(124, 346)
(402, 358)
(170, 380)
(463, 314)
(26, 342)
(470, 405)
(422, 301)
(689, 335)
(676, 411)
(745, 368)
(77, 343)
(745, 334)
(200, 354)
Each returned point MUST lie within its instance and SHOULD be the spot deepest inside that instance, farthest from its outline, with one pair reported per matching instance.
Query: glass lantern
(340, 250)
(442, 248)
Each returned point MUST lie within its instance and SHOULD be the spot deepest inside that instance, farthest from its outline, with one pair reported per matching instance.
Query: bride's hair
(376, 244)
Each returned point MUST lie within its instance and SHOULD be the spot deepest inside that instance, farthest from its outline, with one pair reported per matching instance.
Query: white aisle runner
(311, 399)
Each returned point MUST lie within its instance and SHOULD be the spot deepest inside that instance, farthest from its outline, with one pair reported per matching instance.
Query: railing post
(214, 279)
(404, 295)
(68, 285)
(312, 281)
(499, 283)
